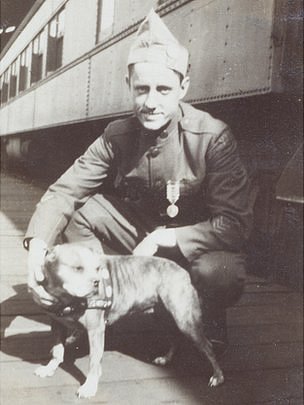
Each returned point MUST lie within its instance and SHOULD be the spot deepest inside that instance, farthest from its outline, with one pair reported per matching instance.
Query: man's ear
(184, 86)
(127, 79)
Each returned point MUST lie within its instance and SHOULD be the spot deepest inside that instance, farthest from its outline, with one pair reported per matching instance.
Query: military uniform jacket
(196, 149)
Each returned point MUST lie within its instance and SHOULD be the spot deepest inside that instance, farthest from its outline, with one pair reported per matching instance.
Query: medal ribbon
(173, 193)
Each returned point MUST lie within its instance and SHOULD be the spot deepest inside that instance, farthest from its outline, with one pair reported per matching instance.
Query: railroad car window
(105, 19)
(37, 57)
(13, 80)
(55, 42)
(4, 87)
(25, 62)
(1, 84)
(160, 2)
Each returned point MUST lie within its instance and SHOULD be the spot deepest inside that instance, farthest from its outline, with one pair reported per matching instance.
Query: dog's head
(71, 268)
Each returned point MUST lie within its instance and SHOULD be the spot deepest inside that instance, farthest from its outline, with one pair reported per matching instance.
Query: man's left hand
(158, 238)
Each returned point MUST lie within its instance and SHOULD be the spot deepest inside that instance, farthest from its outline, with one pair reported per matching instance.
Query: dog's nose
(67, 311)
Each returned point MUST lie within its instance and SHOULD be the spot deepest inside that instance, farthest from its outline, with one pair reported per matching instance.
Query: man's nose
(151, 100)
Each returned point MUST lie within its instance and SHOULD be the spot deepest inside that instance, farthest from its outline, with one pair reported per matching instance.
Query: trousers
(106, 222)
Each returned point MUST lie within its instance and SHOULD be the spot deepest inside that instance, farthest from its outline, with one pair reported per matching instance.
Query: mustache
(145, 110)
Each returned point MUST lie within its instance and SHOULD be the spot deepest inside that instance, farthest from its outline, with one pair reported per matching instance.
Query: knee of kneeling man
(81, 229)
(75, 224)
(219, 270)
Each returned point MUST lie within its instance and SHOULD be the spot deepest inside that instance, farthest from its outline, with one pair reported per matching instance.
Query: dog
(95, 290)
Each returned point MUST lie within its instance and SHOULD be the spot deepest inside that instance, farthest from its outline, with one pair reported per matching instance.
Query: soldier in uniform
(166, 181)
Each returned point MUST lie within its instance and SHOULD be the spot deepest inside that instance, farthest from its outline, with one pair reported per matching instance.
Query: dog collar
(100, 298)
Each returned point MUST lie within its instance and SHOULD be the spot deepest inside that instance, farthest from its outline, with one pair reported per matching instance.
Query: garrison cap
(155, 43)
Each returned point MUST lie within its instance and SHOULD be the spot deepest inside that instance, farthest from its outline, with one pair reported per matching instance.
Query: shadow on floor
(138, 336)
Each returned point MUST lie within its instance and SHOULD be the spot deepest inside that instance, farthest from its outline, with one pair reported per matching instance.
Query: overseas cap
(155, 43)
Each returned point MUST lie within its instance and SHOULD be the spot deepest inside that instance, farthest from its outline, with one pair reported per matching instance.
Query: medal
(172, 210)
(172, 191)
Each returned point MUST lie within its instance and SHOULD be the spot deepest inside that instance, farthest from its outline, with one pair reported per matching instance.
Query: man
(166, 181)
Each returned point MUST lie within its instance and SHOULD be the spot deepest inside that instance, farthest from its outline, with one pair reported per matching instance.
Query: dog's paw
(87, 390)
(167, 358)
(216, 380)
(161, 361)
(44, 371)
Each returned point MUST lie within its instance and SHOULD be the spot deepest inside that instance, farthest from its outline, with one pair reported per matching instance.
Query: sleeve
(227, 200)
(81, 180)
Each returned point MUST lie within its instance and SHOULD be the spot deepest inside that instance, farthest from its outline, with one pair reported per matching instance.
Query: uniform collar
(192, 120)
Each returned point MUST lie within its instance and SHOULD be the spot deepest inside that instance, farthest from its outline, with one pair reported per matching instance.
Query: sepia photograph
(151, 202)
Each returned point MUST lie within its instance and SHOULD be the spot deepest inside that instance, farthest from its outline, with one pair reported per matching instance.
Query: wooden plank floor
(262, 366)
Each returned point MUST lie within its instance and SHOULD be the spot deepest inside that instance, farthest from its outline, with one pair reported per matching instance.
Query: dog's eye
(79, 268)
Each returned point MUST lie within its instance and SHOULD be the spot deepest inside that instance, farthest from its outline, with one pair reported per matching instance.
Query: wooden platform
(262, 366)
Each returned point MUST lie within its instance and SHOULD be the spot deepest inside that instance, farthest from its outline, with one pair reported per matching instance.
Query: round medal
(172, 211)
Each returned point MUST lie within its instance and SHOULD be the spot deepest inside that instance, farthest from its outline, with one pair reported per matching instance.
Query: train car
(66, 63)
(62, 80)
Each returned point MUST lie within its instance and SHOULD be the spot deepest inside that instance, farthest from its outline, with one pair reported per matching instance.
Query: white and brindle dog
(94, 290)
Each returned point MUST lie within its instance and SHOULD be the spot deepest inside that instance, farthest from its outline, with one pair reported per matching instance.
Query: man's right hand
(36, 257)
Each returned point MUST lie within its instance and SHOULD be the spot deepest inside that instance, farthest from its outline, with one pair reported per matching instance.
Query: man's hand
(160, 237)
(37, 251)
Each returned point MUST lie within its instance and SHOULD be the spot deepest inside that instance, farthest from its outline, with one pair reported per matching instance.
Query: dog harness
(100, 298)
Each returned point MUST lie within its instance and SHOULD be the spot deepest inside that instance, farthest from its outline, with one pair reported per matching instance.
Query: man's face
(156, 91)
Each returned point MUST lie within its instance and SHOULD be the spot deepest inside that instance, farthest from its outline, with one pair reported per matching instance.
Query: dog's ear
(51, 280)
(95, 250)
(98, 253)
(50, 257)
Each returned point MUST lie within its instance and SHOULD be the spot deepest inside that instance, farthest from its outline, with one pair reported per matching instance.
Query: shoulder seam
(121, 126)
(200, 122)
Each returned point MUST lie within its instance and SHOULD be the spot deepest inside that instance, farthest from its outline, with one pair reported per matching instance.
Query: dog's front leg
(166, 358)
(96, 341)
(53, 364)
(57, 353)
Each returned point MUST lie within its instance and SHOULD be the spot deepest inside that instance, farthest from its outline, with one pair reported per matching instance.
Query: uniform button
(154, 151)
(158, 183)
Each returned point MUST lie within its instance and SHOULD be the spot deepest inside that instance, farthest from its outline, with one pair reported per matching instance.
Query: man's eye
(164, 90)
(79, 269)
(141, 90)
